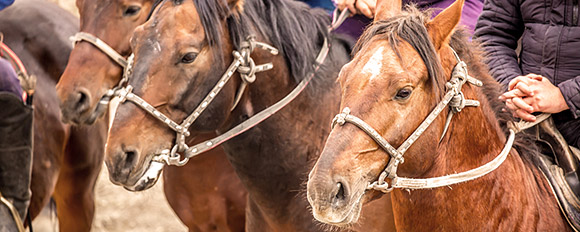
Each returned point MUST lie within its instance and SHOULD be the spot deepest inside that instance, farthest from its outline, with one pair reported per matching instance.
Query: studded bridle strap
(412, 183)
(396, 154)
(126, 94)
(453, 98)
(104, 47)
(172, 157)
(240, 63)
(435, 182)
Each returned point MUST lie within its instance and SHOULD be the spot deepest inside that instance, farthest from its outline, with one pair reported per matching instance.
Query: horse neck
(474, 138)
(274, 158)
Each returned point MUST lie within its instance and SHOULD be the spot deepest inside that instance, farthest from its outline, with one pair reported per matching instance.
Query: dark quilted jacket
(550, 40)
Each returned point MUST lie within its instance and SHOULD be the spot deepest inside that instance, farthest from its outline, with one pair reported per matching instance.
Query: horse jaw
(148, 179)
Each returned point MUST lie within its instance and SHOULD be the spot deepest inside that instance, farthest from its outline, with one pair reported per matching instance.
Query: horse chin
(87, 118)
(346, 219)
(148, 179)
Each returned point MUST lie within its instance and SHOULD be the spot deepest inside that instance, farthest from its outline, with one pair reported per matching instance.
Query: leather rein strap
(243, 64)
(455, 99)
(27, 82)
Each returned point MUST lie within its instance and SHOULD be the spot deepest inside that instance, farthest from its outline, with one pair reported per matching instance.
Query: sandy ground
(120, 210)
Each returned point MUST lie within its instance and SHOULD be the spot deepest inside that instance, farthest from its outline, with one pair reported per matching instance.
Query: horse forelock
(409, 26)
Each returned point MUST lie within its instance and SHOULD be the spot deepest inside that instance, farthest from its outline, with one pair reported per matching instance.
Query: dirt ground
(120, 210)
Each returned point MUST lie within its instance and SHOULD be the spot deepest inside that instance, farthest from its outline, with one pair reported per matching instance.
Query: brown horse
(205, 194)
(180, 54)
(66, 159)
(397, 77)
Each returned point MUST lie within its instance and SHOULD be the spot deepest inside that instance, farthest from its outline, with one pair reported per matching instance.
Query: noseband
(455, 99)
(114, 55)
(243, 64)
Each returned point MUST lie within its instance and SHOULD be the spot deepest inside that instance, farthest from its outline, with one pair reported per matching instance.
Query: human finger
(363, 8)
(535, 76)
(510, 105)
(342, 4)
(511, 94)
(524, 88)
(518, 102)
(517, 80)
(372, 4)
(525, 115)
(351, 5)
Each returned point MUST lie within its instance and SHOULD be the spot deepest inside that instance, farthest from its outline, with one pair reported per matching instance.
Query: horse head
(179, 57)
(90, 73)
(394, 81)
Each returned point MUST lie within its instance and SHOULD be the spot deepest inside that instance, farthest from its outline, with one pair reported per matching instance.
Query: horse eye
(403, 94)
(189, 57)
(131, 10)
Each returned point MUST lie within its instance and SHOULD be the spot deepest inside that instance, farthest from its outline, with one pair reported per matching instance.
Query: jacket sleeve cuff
(571, 91)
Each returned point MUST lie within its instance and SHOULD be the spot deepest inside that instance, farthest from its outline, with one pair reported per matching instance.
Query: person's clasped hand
(533, 93)
(365, 7)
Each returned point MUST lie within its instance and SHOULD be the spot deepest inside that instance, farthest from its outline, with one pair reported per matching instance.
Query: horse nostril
(339, 198)
(130, 158)
(82, 103)
(340, 194)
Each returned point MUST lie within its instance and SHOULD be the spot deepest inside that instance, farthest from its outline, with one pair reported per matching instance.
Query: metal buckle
(381, 184)
(171, 157)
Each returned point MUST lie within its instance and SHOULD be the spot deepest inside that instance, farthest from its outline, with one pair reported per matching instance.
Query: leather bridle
(453, 98)
(111, 53)
(243, 64)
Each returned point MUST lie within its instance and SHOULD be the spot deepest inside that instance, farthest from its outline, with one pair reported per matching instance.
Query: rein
(27, 81)
(453, 98)
(245, 66)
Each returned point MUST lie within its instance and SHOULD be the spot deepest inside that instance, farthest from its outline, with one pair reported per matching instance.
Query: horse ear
(387, 8)
(441, 27)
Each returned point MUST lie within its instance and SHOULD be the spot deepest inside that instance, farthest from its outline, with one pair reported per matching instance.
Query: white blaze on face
(374, 65)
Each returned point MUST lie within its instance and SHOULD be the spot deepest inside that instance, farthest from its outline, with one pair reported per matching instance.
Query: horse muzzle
(334, 203)
(148, 179)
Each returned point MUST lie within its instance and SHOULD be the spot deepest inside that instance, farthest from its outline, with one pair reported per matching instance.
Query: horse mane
(291, 26)
(410, 27)
(472, 54)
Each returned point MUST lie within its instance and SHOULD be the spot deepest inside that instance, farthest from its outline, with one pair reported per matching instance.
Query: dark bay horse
(181, 53)
(66, 159)
(205, 194)
(398, 76)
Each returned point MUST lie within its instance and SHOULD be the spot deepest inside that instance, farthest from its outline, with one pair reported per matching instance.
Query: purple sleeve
(571, 91)
(498, 29)
(471, 10)
(8, 80)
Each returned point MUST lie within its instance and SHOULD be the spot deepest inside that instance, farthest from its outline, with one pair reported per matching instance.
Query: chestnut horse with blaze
(205, 194)
(399, 81)
(181, 57)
